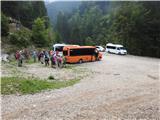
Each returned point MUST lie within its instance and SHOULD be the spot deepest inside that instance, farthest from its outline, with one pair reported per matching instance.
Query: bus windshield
(59, 48)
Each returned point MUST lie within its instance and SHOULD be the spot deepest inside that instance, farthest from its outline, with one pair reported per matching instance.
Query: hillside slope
(55, 7)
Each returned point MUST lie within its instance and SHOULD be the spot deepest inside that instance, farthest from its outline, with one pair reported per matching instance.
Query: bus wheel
(80, 61)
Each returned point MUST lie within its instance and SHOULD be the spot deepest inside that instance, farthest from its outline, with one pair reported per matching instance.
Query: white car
(116, 49)
(100, 49)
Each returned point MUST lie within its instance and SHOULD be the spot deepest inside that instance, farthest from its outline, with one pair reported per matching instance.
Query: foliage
(24, 11)
(31, 14)
(89, 41)
(51, 77)
(13, 85)
(62, 26)
(4, 25)
(42, 33)
(21, 38)
(57, 38)
(136, 25)
(39, 35)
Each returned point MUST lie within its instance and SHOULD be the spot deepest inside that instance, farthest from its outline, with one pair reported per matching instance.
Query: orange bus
(75, 54)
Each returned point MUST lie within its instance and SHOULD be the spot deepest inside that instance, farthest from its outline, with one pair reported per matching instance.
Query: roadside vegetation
(17, 85)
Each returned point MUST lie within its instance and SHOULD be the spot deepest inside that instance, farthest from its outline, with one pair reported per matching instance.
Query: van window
(111, 47)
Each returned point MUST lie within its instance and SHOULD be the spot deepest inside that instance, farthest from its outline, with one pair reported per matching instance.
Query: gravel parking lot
(118, 87)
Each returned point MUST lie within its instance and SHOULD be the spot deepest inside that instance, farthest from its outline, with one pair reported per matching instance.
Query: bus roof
(75, 47)
(59, 45)
(63, 45)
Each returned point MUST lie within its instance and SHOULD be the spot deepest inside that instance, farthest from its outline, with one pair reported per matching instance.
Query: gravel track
(118, 87)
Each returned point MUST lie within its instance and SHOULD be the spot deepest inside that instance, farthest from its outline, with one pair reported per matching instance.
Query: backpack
(17, 55)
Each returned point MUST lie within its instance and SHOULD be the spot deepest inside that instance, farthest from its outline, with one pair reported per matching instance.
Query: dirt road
(118, 87)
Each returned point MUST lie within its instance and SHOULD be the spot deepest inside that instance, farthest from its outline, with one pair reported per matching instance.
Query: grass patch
(13, 62)
(30, 61)
(13, 85)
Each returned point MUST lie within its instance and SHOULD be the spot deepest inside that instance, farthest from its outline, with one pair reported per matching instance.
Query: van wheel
(80, 61)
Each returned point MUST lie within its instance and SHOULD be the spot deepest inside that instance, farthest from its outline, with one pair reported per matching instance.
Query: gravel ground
(116, 88)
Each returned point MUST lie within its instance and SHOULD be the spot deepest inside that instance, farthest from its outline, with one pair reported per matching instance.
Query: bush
(21, 38)
(4, 25)
(39, 36)
(51, 77)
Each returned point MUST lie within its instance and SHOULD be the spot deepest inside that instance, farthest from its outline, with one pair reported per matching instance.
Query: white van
(116, 49)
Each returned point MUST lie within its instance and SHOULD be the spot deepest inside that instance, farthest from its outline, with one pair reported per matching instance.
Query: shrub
(51, 77)
(21, 38)
(4, 25)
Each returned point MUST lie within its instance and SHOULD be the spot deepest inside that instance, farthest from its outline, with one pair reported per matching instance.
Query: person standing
(41, 57)
(34, 55)
(52, 59)
(96, 54)
(19, 58)
(46, 58)
(56, 58)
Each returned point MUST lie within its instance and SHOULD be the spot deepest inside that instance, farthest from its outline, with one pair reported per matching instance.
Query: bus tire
(80, 61)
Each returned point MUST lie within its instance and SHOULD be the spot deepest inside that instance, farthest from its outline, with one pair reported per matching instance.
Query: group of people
(52, 56)
(44, 57)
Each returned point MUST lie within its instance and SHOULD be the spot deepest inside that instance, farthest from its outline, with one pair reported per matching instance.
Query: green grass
(30, 61)
(13, 85)
(13, 62)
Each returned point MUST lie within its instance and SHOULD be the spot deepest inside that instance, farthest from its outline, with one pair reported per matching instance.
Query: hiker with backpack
(46, 58)
(41, 57)
(19, 58)
(52, 59)
(34, 55)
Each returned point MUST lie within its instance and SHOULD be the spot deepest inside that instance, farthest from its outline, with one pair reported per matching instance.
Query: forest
(136, 25)
(33, 24)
